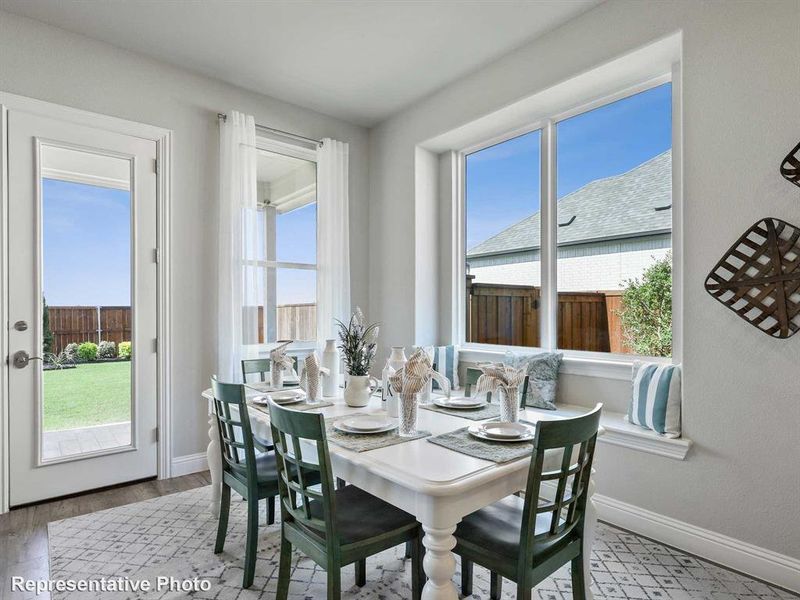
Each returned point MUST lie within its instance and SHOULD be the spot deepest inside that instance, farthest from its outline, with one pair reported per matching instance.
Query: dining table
(436, 484)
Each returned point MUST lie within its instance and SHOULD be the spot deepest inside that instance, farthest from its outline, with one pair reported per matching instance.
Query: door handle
(22, 358)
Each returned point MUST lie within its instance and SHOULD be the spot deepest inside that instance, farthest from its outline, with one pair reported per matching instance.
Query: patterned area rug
(173, 536)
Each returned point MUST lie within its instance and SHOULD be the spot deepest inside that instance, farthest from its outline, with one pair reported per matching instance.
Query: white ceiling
(358, 60)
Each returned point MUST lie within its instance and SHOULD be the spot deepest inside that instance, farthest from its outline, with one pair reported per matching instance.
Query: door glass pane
(615, 227)
(86, 316)
(503, 228)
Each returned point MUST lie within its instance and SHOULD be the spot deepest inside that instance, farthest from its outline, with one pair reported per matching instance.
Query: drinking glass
(408, 414)
(509, 404)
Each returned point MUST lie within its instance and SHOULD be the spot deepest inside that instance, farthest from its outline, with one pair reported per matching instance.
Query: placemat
(488, 411)
(301, 406)
(365, 442)
(460, 440)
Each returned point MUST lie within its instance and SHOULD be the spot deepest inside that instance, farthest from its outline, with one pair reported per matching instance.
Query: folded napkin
(498, 376)
(280, 362)
(415, 375)
(312, 372)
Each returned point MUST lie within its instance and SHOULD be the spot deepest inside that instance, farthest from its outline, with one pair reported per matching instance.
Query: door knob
(22, 358)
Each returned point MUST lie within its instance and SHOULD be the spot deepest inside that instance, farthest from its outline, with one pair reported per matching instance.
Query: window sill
(618, 432)
(614, 366)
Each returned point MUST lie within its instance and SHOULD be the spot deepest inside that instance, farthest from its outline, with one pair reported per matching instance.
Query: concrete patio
(69, 442)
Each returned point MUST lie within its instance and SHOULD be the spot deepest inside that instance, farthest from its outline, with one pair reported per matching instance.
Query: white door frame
(163, 139)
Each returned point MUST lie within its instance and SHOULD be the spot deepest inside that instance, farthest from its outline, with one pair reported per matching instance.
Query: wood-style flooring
(23, 531)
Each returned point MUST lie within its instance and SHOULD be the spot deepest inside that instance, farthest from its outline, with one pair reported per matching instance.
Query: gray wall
(741, 85)
(50, 64)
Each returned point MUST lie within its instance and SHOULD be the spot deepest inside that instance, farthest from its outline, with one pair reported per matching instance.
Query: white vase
(330, 361)
(358, 390)
(397, 359)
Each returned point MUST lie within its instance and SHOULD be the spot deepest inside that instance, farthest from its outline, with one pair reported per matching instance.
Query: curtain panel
(237, 281)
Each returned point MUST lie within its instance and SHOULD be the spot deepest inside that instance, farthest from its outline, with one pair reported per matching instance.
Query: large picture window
(286, 295)
(597, 218)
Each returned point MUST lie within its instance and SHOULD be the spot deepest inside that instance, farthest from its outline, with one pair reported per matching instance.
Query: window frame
(302, 152)
(615, 365)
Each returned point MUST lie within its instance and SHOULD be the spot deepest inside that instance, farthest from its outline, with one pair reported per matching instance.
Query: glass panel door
(86, 302)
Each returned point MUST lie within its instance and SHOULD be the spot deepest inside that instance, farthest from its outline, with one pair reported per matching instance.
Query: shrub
(71, 352)
(646, 313)
(47, 333)
(124, 350)
(107, 349)
(87, 351)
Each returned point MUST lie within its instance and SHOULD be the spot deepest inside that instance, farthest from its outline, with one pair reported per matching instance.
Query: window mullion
(548, 313)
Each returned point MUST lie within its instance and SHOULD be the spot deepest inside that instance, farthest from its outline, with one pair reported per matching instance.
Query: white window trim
(600, 364)
(295, 149)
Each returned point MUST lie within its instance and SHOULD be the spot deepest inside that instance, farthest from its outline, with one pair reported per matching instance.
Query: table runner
(301, 406)
(365, 442)
(461, 441)
(489, 411)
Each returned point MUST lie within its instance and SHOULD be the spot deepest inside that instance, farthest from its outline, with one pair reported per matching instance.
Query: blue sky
(86, 231)
(502, 182)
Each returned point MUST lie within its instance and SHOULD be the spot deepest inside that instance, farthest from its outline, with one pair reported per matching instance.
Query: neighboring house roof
(634, 203)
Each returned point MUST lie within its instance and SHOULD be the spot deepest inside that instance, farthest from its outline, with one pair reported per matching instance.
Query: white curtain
(333, 263)
(237, 281)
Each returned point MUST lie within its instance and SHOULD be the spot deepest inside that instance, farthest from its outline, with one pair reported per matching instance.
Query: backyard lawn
(91, 394)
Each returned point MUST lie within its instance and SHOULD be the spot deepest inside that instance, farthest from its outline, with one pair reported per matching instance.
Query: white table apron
(437, 485)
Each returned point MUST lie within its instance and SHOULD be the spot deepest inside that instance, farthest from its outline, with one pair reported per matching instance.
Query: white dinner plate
(389, 424)
(462, 403)
(287, 397)
(502, 432)
(366, 423)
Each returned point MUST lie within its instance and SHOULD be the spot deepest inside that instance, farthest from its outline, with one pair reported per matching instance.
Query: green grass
(91, 394)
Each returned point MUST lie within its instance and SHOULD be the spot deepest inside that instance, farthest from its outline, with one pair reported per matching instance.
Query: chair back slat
(292, 430)
(575, 440)
(235, 435)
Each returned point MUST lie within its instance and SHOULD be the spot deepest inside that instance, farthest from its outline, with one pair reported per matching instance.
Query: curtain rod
(224, 117)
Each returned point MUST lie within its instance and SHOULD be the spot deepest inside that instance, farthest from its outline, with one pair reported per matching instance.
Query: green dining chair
(254, 477)
(260, 366)
(333, 527)
(527, 540)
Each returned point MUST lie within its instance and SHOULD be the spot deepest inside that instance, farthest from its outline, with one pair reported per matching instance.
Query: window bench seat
(621, 433)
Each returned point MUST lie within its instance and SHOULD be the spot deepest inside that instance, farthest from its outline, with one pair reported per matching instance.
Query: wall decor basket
(758, 278)
(790, 167)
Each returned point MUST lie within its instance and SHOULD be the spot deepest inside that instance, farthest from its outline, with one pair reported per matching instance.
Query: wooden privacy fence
(294, 322)
(89, 324)
(510, 315)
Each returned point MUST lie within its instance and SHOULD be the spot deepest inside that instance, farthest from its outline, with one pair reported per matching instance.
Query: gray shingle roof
(615, 207)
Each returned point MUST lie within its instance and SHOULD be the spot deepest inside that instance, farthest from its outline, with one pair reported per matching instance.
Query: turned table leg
(439, 563)
(214, 465)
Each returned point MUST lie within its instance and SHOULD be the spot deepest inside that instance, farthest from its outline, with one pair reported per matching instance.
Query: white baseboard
(191, 463)
(759, 562)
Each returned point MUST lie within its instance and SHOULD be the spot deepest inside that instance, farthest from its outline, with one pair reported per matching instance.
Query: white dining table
(437, 485)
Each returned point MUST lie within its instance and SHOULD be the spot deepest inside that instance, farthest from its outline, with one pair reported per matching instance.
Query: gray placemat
(365, 442)
(460, 440)
(488, 411)
(304, 405)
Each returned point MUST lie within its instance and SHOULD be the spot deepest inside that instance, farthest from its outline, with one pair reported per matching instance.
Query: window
(601, 222)
(286, 291)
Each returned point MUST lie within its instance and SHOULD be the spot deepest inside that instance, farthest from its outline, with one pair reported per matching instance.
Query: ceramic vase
(358, 390)
(330, 361)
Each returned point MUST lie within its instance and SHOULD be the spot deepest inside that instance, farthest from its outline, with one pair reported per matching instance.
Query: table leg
(589, 527)
(214, 465)
(439, 563)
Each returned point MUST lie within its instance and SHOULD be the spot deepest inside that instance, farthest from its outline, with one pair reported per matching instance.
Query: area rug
(173, 537)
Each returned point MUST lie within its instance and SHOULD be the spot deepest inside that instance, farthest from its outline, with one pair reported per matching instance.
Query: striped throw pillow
(656, 398)
(445, 360)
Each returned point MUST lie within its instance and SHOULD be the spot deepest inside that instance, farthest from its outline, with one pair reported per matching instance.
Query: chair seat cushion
(361, 516)
(496, 530)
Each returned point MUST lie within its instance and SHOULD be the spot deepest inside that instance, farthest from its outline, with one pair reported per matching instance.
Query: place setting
(475, 408)
(500, 440)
